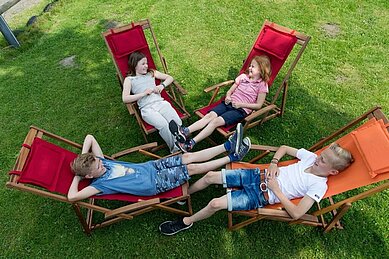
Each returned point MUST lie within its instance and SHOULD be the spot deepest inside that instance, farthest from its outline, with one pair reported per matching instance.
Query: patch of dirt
(21, 6)
(111, 24)
(69, 62)
(340, 79)
(331, 29)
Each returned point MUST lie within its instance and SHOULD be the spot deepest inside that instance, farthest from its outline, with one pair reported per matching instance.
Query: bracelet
(274, 161)
(163, 84)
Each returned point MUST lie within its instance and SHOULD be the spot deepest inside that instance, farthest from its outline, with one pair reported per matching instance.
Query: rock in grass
(331, 29)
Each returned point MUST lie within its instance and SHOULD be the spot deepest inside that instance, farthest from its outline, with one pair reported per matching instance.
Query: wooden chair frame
(336, 210)
(175, 91)
(270, 109)
(111, 215)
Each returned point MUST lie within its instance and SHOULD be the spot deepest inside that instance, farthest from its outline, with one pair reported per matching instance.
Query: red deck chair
(369, 145)
(276, 42)
(121, 42)
(43, 168)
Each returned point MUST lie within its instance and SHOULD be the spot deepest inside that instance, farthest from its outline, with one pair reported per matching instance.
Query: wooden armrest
(259, 112)
(135, 149)
(211, 88)
(132, 207)
(284, 214)
(264, 148)
(179, 87)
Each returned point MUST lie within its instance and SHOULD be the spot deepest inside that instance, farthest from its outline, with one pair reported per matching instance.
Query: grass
(337, 79)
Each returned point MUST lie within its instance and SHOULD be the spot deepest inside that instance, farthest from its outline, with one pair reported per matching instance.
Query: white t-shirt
(295, 183)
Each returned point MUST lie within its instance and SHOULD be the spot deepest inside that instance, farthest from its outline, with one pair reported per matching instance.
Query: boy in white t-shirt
(306, 178)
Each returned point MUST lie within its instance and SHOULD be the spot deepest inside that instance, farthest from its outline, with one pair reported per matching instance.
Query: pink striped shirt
(247, 91)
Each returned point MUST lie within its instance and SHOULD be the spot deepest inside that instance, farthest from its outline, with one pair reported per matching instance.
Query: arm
(253, 106)
(75, 195)
(127, 97)
(295, 211)
(167, 80)
(273, 169)
(90, 145)
(229, 93)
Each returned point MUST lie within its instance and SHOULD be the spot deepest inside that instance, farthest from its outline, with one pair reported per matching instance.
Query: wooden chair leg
(343, 209)
(84, 224)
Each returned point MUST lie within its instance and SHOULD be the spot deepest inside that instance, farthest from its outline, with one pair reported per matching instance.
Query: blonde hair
(264, 66)
(82, 164)
(343, 157)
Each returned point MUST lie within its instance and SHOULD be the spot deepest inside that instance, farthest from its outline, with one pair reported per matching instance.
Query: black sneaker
(177, 131)
(170, 228)
(234, 142)
(244, 149)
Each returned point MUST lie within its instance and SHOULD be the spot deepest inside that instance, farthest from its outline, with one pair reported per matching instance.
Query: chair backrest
(48, 166)
(126, 41)
(274, 43)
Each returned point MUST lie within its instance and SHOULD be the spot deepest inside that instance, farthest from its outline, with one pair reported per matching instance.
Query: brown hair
(133, 60)
(343, 157)
(264, 66)
(82, 164)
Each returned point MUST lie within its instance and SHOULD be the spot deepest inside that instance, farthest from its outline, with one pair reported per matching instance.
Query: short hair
(82, 164)
(343, 157)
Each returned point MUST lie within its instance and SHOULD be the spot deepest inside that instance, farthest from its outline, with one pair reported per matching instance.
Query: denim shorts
(248, 196)
(230, 114)
(170, 173)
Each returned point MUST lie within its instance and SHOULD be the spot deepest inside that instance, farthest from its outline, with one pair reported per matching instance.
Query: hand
(158, 89)
(148, 91)
(272, 171)
(236, 105)
(227, 100)
(272, 184)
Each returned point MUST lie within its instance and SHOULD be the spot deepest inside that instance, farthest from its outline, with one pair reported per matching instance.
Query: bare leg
(212, 177)
(212, 125)
(202, 155)
(213, 206)
(202, 122)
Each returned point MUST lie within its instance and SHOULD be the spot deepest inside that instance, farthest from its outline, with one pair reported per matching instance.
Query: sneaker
(186, 146)
(177, 131)
(244, 149)
(232, 145)
(170, 228)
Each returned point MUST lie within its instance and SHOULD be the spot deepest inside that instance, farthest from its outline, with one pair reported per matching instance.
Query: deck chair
(369, 145)
(276, 42)
(43, 168)
(124, 40)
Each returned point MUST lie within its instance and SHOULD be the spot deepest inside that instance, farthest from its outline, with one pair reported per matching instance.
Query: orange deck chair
(369, 145)
(43, 168)
(276, 42)
(124, 40)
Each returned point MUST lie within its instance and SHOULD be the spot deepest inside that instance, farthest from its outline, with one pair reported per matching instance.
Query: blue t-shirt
(126, 177)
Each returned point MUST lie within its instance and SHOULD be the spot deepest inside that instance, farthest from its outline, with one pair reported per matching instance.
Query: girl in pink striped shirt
(246, 94)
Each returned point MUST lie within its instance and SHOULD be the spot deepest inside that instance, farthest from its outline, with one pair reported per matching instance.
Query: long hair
(264, 67)
(133, 60)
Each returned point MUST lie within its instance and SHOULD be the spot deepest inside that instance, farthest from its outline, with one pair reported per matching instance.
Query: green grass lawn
(338, 78)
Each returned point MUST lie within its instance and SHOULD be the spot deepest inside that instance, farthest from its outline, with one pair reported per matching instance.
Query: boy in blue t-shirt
(149, 178)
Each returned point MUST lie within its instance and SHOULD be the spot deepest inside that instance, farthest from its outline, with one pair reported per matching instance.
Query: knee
(216, 122)
(216, 204)
(192, 167)
(210, 116)
(210, 177)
